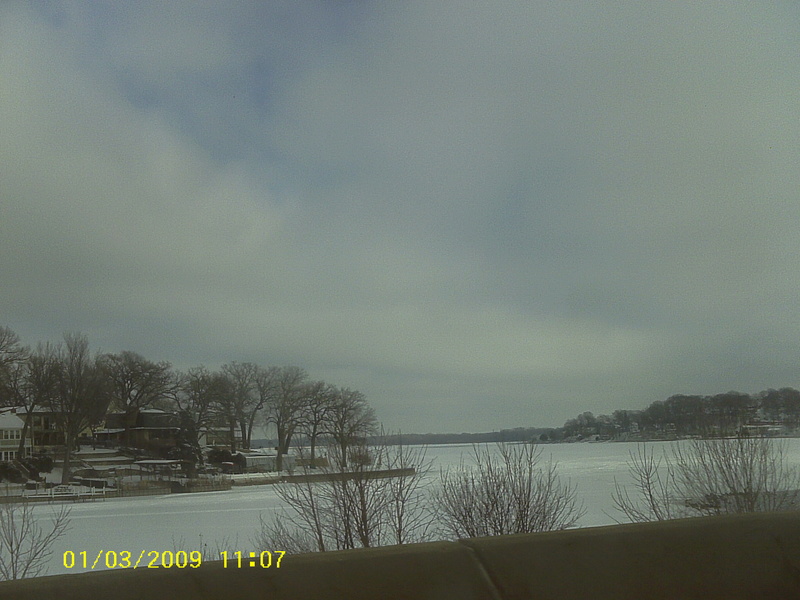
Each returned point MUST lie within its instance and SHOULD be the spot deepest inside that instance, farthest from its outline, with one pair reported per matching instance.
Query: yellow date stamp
(126, 559)
(265, 559)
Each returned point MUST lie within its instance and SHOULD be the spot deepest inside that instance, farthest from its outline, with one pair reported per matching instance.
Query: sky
(482, 215)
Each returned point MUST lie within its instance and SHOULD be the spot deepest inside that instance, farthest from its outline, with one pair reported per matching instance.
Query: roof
(10, 421)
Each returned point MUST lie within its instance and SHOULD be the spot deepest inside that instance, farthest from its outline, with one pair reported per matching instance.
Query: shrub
(710, 477)
(218, 456)
(505, 492)
(9, 472)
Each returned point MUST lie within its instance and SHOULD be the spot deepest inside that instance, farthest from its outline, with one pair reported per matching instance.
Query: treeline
(80, 390)
(518, 434)
(768, 412)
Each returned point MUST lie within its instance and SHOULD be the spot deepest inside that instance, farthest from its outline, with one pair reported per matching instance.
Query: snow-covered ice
(228, 520)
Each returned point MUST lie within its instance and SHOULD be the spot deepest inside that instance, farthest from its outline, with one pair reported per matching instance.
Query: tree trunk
(281, 445)
(65, 466)
(343, 459)
(251, 423)
(23, 434)
(128, 421)
(233, 436)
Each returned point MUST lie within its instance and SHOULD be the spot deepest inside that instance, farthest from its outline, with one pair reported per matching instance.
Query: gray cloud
(480, 216)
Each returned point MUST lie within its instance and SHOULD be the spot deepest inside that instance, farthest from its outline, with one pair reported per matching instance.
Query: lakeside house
(154, 429)
(11, 427)
(147, 428)
(43, 431)
(263, 462)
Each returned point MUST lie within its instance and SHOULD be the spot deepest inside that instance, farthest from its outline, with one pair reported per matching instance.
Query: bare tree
(737, 475)
(505, 492)
(225, 405)
(285, 406)
(310, 514)
(409, 515)
(39, 385)
(137, 383)
(349, 420)
(359, 508)
(279, 531)
(319, 399)
(359, 504)
(26, 546)
(654, 489)
(12, 354)
(198, 397)
(28, 384)
(244, 397)
(710, 477)
(82, 393)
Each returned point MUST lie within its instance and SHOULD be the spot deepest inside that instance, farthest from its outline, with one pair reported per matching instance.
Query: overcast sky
(482, 215)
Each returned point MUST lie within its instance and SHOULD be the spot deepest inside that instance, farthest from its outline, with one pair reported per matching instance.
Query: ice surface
(229, 519)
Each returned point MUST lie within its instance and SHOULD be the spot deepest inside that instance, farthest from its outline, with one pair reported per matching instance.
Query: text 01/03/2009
(125, 559)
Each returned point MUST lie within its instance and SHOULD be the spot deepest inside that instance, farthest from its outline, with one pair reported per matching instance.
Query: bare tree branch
(504, 492)
(710, 477)
(356, 508)
(26, 546)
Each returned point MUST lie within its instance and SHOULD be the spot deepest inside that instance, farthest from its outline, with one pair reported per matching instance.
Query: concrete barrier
(734, 557)
(731, 557)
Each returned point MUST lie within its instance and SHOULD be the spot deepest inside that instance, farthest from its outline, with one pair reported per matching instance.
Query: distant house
(259, 462)
(153, 429)
(148, 428)
(43, 431)
(43, 428)
(220, 436)
(10, 435)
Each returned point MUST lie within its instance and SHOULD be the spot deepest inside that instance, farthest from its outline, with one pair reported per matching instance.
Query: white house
(10, 434)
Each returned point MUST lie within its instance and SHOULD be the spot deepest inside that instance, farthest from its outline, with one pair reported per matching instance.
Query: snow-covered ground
(228, 520)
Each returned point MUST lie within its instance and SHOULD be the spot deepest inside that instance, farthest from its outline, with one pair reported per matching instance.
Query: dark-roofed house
(150, 429)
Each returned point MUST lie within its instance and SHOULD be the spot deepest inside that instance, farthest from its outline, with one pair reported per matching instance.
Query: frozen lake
(229, 519)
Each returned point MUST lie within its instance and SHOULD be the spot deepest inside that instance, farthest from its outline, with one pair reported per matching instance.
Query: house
(154, 429)
(147, 428)
(220, 436)
(43, 427)
(10, 435)
(259, 462)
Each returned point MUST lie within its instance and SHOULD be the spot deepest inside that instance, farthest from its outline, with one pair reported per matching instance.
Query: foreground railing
(731, 557)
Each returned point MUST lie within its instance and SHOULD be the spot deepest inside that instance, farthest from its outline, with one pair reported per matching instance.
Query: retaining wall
(734, 557)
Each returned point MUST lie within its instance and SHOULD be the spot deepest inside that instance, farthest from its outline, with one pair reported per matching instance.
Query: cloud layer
(480, 216)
